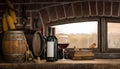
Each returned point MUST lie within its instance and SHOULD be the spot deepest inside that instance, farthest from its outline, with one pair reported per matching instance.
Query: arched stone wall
(79, 9)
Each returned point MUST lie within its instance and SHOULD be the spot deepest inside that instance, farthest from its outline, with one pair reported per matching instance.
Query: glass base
(63, 59)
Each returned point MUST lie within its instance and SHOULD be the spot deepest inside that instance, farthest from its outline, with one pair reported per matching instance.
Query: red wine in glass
(63, 46)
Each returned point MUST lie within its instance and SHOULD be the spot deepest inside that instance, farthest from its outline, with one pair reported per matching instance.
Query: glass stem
(63, 54)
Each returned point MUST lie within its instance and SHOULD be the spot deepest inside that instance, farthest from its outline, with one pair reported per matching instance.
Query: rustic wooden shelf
(94, 61)
(68, 64)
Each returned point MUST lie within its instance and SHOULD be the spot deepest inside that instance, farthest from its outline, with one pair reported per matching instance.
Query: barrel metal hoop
(14, 39)
(13, 34)
(13, 54)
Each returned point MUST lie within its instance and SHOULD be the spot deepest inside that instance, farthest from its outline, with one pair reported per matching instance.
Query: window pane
(113, 35)
(81, 34)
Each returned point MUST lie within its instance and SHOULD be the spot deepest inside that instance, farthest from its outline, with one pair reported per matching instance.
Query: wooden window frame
(66, 21)
(102, 51)
(105, 52)
(106, 49)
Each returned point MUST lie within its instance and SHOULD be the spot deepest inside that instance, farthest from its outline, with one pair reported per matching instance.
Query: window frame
(110, 50)
(67, 21)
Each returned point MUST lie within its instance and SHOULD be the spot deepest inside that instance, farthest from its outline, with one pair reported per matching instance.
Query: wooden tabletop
(94, 61)
(69, 61)
(67, 64)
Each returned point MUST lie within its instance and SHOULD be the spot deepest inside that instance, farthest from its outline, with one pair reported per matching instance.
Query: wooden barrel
(35, 41)
(14, 46)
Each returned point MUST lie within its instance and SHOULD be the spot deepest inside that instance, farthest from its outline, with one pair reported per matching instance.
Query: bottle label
(50, 49)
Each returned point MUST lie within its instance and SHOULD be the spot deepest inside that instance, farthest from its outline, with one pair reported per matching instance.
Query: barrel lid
(37, 43)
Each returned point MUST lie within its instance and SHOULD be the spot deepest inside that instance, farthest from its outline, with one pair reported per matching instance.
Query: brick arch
(80, 9)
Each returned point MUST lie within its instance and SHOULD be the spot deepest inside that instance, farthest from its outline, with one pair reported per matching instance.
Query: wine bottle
(56, 45)
(52, 46)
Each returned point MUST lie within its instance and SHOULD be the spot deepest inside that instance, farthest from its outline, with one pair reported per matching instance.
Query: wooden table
(68, 64)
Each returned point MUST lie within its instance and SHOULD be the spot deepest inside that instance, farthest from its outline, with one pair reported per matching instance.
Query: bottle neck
(51, 31)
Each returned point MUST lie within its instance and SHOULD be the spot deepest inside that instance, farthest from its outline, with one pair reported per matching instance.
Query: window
(81, 34)
(103, 32)
(113, 35)
(112, 41)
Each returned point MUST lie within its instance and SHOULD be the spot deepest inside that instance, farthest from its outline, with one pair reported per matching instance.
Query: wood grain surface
(68, 64)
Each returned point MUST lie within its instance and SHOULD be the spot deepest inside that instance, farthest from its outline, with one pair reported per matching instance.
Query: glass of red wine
(63, 43)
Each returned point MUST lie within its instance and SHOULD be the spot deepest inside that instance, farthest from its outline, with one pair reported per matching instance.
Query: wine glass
(63, 43)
